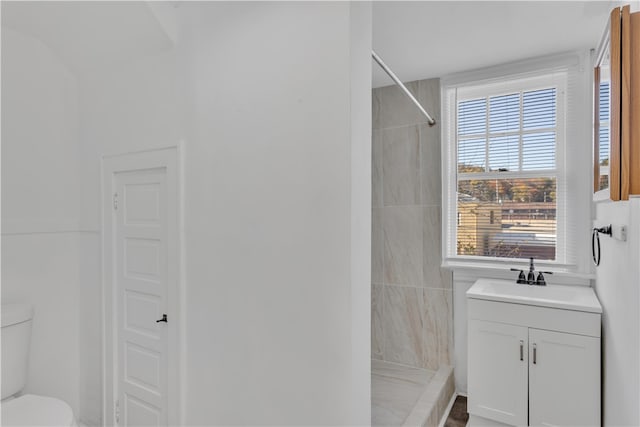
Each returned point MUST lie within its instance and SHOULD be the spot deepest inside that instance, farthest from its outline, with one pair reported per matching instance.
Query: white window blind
(603, 141)
(505, 195)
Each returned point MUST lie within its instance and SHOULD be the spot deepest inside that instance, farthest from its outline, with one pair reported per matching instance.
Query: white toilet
(27, 409)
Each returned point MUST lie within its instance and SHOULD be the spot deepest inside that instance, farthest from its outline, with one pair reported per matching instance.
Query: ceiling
(417, 39)
(425, 39)
(89, 35)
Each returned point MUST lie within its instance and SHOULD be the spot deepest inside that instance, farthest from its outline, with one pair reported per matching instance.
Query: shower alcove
(411, 295)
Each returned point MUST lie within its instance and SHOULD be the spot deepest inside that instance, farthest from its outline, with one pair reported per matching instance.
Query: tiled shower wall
(411, 296)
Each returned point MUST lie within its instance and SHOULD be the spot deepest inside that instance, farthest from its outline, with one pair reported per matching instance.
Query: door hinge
(115, 201)
(117, 411)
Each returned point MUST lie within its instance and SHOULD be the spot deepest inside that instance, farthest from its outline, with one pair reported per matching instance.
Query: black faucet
(531, 279)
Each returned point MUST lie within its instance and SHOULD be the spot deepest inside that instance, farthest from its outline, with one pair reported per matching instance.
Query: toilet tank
(16, 336)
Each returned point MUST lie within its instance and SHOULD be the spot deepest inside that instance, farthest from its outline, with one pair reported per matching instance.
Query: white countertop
(577, 298)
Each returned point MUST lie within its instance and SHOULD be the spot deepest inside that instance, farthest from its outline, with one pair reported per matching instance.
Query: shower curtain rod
(402, 86)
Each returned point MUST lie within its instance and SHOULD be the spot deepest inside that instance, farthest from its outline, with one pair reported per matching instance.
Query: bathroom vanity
(534, 354)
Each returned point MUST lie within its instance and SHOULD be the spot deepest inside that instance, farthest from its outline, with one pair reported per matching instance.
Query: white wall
(268, 214)
(617, 287)
(361, 175)
(40, 233)
(40, 137)
(271, 106)
(127, 108)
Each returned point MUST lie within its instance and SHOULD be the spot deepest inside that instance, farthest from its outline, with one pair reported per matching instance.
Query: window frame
(481, 88)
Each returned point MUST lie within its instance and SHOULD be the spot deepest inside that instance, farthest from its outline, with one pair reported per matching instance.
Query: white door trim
(168, 158)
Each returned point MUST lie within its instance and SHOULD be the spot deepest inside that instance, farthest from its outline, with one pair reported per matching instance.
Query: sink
(578, 298)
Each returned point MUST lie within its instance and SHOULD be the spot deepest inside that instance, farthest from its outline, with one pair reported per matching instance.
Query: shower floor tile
(395, 389)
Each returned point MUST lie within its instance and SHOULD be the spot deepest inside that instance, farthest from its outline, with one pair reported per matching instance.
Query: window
(603, 137)
(506, 188)
(506, 146)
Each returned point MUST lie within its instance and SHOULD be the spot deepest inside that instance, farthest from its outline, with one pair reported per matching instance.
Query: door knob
(164, 319)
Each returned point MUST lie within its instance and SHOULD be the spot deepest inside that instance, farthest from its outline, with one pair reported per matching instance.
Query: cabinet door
(616, 135)
(564, 379)
(497, 379)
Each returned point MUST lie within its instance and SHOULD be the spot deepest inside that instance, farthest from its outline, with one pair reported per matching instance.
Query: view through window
(507, 175)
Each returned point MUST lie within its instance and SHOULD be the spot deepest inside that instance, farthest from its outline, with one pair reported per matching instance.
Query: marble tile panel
(423, 408)
(376, 169)
(375, 109)
(377, 337)
(417, 376)
(445, 281)
(427, 410)
(392, 108)
(445, 396)
(395, 389)
(437, 319)
(447, 278)
(382, 415)
(403, 245)
(401, 166)
(377, 247)
(428, 94)
(430, 165)
(392, 399)
(432, 247)
(433, 420)
(403, 325)
(378, 366)
(441, 384)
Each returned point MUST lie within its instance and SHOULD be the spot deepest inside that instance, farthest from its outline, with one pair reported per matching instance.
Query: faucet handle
(521, 277)
(540, 281)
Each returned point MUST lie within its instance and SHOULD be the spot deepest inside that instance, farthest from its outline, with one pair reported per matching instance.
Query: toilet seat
(32, 410)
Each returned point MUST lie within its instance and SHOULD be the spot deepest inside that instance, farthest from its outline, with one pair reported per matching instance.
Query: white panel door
(140, 206)
(497, 369)
(564, 379)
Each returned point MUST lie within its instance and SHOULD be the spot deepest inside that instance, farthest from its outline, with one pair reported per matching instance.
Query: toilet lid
(32, 410)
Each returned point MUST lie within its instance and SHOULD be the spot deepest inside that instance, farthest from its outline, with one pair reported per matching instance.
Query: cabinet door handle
(535, 353)
(521, 350)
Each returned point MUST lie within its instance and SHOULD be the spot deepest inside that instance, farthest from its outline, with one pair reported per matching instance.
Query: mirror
(602, 115)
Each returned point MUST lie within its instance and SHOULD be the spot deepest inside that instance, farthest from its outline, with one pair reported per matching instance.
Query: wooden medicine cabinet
(617, 107)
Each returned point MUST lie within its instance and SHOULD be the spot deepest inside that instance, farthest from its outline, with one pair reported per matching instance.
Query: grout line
(395, 285)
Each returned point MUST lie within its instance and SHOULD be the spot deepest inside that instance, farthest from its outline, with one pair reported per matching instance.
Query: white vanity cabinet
(533, 355)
